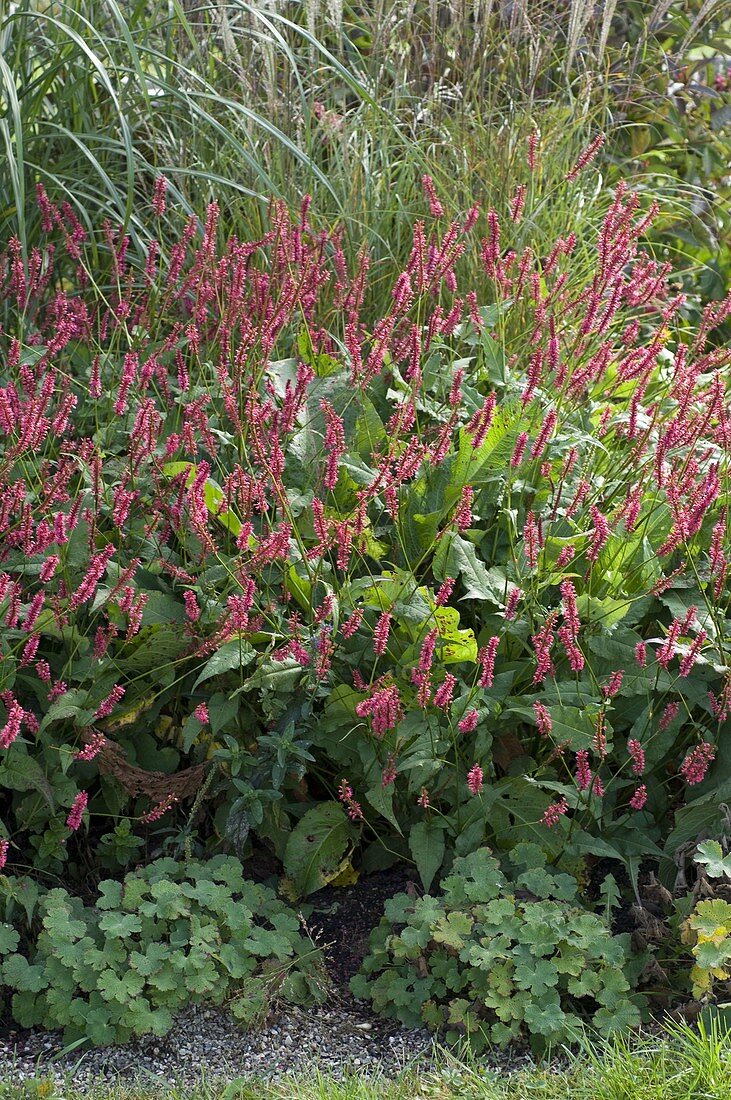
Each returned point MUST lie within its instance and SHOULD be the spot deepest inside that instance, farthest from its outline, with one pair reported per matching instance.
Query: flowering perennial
(339, 539)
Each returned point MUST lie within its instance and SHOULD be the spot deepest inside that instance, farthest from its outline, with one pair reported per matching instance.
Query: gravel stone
(332, 1038)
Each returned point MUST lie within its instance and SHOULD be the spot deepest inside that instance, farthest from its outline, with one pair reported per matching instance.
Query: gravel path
(334, 1038)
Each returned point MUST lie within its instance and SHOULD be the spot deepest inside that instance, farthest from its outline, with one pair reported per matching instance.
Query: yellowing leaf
(347, 876)
(458, 645)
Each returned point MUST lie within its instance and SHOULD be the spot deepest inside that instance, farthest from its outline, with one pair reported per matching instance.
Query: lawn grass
(683, 1064)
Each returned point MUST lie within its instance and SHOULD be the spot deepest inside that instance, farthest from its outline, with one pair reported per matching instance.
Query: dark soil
(343, 917)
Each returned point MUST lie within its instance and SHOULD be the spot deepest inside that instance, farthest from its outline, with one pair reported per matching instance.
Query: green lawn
(684, 1065)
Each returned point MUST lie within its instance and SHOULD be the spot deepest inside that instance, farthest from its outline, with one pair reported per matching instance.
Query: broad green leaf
(19, 772)
(317, 847)
(162, 609)
(231, 655)
(426, 843)
(275, 675)
(19, 974)
(692, 820)
(381, 799)
(456, 557)
(120, 925)
(474, 466)
(453, 929)
(577, 727)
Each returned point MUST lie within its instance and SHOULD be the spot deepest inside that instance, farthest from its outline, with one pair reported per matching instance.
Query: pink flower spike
(637, 755)
(694, 767)
(11, 729)
(475, 779)
(586, 158)
(543, 719)
(389, 773)
(201, 713)
(486, 657)
(463, 514)
(583, 771)
(512, 603)
(519, 449)
(532, 149)
(610, 689)
(554, 812)
(4, 845)
(158, 196)
(517, 203)
(77, 811)
(639, 798)
(469, 723)
(435, 207)
(445, 691)
(159, 809)
(93, 748)
(380, 635)
(444, 592)
(345, 794)
(192, 610)
(107, 705)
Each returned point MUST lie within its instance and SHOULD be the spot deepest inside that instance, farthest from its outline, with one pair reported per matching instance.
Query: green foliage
(319, 847)
(167, 935)
(339, 108)
(708, 927)
(494, 960)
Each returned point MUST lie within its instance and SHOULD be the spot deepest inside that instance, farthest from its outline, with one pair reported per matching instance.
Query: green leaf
(275, 675)
(478, 465)
(162, 609)
(426, 843)
(573, 726)
(120, 925)
(18, 973)
(69, 705)
(710, 853)
(695, 818)
(610, 896)
(9, 939)
(110, 894)
(318, 846)
(456, 557)
(20, 772)
(158, 647)
(234, 654)
(121, 989)
(168, 901)
(381, 799)
(453, 929)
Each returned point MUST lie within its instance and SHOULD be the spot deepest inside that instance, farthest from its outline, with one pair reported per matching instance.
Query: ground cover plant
(488, 963)
(169, 935)
(364, 470)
